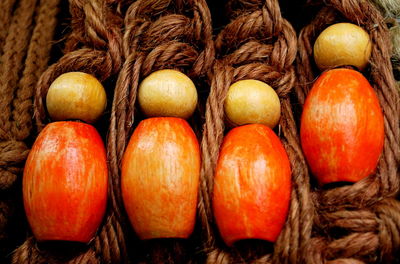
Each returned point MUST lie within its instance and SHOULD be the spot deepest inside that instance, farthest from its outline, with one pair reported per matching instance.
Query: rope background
(357, 223)
(390, 10)
(121, 42)
(257, 44)
(159, 34)
(94, 47)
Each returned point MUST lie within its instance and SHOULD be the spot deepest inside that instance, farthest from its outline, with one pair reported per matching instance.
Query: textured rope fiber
(257, 44)
(395, 36)
(390, 9)
(359, 222)
(395, 33)
(159, 34)
(94, 47)
(26, 31)
(7, 7)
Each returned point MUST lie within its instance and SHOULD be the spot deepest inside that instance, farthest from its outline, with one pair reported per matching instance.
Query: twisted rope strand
(36, 62)
(17, 21)
(5, 18)
(15, 48)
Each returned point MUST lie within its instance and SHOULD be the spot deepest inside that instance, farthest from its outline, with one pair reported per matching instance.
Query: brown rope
(94, 46)
(23, 60)
(257, 44)
(159, 34)
(358, 221)
(24, 52)
(35, 64)
(7, 7)
(15, 48)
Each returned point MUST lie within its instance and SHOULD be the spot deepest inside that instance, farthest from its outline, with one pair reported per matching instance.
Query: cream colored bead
(167, 93)
(342, 44)
(76, 95)
(252, 101)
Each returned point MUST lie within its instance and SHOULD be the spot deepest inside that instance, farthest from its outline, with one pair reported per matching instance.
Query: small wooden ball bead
(252, 101)
(76, 95)
(342, 44)
(167, 93)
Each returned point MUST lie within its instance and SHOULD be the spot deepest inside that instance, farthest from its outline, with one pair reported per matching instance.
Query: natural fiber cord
(94, 46)
(26, 31)
(7, 7)
(360, 222)
(257, 44)
(390, 10)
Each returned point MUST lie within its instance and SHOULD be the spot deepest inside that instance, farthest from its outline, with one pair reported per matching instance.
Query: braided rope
(24, 51)
(5, 18)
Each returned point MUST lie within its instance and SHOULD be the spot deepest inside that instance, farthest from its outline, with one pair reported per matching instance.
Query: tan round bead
(252, 101)
(167, 93)
(342, 44)
(76, 95)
